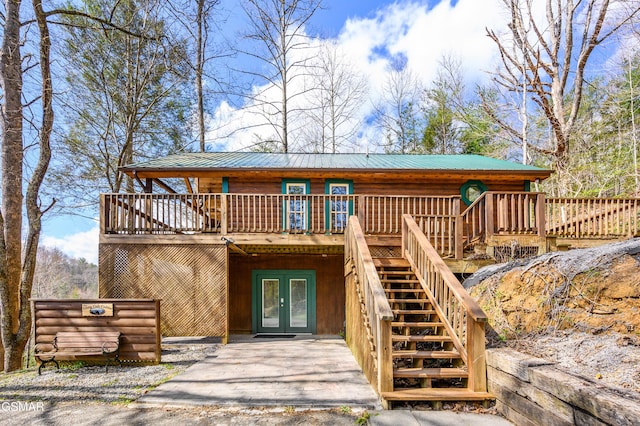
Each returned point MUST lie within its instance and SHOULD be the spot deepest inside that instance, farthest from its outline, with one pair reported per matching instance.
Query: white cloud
(408, 30)
(79, 245)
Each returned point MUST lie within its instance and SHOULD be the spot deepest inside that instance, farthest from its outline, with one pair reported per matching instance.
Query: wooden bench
(79, 344)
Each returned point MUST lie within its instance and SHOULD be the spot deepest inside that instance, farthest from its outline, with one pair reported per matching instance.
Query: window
(471, 190)
(338, 206)
(295, 204)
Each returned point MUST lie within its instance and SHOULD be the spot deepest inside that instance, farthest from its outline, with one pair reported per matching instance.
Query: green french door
(284, 301)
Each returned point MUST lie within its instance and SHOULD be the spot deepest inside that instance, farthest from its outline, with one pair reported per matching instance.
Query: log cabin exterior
(329, 243)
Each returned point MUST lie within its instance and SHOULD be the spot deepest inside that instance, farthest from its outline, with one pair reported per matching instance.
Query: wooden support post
(224, 216)
(158, 350)
(458, 229)
(476, 357)
(405, 230)
(361, 210)
(148, 212)
(104, 216)
(385, 359)
(489, 215)
(541, 222)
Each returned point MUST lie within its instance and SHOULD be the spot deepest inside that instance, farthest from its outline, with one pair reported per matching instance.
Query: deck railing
(382, 214)
(369, 315)
(296, 214)
(462, 316)
(265, 213)
(448, 229)
(504, 213)
(593, 217)
(159, 213)
(443, 232)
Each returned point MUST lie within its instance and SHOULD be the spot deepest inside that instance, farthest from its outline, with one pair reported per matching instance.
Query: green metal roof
(277, 161)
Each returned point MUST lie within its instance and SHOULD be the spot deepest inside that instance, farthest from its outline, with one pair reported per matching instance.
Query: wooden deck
(490, 227)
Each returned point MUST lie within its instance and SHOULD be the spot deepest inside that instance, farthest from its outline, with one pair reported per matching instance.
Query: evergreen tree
(127, 95)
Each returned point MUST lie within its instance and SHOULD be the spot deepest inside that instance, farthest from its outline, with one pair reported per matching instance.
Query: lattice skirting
(190, 280)
(507, 253)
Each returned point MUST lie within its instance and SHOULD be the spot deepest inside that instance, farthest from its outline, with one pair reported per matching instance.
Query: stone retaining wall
(531, 391)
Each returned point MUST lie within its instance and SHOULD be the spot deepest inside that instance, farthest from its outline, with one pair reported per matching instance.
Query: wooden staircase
(426, 364)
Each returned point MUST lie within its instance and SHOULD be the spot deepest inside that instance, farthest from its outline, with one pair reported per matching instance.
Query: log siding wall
(414, 187)
(137, 319)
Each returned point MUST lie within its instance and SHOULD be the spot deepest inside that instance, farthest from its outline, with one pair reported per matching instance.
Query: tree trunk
(12, 156)
(199, 71)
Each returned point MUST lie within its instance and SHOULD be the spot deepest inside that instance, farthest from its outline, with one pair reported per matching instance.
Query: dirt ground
(580, 309)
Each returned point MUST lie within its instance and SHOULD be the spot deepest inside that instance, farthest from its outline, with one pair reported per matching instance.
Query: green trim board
(301, 214)
(329, 207)
(225, 185)
(283, 301)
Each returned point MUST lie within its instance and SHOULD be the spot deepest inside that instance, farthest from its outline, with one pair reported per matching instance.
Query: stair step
(427, 338)
(436, 394)
(391, 262)
(413, 311)
(416, 324)
(407, 272)
(399, 281)
(404, 290)
(430, 373)
(426, 354)
(409, 301)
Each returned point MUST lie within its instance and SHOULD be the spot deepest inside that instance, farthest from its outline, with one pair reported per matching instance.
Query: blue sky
(371, 33)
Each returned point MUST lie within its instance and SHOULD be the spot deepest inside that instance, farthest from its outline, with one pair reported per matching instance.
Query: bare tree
(337, 92)
(278, 26)
(398, 113)
(60, 276)
(16, 270)
(552, 54)
(197, 19)
(18, 252)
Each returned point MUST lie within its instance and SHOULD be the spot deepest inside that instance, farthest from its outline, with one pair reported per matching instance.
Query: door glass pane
(296, 206)
(270, 303)
(298, 303)
(339, 206)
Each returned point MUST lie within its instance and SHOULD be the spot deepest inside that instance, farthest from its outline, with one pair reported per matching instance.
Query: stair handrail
(366, 270)
(462, 317)
(378, 311)
(474, 227)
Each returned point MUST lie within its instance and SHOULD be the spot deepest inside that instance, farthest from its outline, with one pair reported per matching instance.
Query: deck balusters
(447, 227)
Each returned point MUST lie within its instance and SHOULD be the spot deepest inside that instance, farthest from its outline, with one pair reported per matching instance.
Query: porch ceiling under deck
(292, 249)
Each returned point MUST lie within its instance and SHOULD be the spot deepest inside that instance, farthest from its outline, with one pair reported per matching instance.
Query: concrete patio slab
(305, 372)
